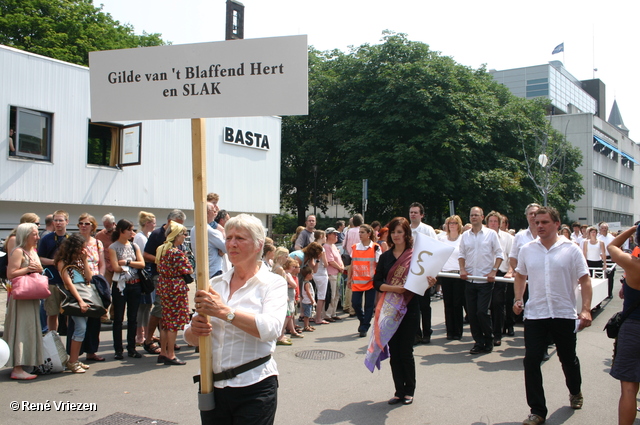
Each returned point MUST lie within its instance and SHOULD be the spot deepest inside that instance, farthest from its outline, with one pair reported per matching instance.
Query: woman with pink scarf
(397, 313)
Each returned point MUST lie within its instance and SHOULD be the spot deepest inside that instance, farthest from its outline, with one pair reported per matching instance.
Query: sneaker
(576, 400)
(533, 420)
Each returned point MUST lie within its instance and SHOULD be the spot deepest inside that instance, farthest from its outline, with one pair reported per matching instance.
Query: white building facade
(610, 157)
(57, 158)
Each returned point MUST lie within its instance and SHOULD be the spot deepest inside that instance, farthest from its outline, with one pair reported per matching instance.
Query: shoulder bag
(31, 286)
(87, 292)
(615, 322)
(146, 281)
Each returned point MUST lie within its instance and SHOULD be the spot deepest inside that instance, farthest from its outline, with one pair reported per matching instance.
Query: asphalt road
(454, 387)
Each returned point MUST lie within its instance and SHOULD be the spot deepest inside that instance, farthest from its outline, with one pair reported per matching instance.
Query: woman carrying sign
(397, 313)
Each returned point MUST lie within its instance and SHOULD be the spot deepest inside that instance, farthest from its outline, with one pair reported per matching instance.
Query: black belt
(232, 373)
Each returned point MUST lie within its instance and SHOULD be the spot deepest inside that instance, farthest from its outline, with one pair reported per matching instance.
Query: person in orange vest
(364, 258)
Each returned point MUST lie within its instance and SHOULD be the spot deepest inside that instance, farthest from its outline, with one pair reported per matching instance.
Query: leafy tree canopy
(66, 29)
(420, 127)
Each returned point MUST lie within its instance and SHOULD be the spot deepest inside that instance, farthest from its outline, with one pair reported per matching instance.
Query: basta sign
(238, 78)
(249, 139)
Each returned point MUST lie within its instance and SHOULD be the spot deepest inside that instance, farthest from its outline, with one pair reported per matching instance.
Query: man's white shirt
(552, 276)
(480, 251)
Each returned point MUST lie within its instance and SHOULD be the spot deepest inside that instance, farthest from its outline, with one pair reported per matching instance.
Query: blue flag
(559, 48)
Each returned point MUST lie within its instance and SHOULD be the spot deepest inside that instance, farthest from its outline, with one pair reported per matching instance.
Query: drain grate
(320, 355)
(119, 418)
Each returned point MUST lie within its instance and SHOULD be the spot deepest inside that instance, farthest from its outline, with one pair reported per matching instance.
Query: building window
(626, 162)
(602, 149)
(612, 217)
(114, 145)
(30, 133)
(610, 185)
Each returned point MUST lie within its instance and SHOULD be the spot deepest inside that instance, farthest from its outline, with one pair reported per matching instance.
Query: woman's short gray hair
(250, 223)
(22, 233)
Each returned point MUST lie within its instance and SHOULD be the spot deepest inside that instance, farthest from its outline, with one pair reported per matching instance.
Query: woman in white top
(321, 278)
(243, 311)
(594, 250)
(452, 288)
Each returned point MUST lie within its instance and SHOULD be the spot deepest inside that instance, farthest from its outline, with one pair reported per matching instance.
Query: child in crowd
(291, 268)
(308, 297)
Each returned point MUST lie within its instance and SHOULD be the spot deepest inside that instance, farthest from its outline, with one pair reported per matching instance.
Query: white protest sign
(429, 255)
(238, 78)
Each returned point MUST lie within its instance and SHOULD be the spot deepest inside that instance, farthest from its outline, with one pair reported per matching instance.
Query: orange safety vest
(363, 266)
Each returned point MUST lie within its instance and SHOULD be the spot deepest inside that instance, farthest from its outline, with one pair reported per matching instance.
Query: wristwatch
(231, 315)
(495, 269)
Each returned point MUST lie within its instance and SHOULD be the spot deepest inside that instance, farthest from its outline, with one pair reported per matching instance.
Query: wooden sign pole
(199, 165)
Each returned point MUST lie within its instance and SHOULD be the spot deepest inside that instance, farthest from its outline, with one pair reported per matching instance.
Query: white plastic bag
(55, 355)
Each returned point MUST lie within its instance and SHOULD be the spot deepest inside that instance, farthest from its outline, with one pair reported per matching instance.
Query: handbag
(103, 289)
(615, 322)
(31, 286)
(146, 281)
(88, 293)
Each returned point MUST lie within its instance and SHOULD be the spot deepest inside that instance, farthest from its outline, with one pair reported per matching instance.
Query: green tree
(421, 127)
(66, 29)
(307, 145)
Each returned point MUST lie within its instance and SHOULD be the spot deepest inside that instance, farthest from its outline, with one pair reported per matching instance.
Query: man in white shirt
(499, 303)
(607, 238)
(480, 255)
(554, 266)
(524, 236)
(576, 236)
(416, 215)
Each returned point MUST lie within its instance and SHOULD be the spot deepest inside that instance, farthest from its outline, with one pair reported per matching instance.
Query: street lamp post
(315, 188)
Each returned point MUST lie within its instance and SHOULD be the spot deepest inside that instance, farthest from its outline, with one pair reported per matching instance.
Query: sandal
(75, 367)
(297, 335)
(308, 329)
(152, 348)
(95, 358)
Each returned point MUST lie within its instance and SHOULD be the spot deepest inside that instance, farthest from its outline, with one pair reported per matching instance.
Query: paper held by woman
(429, 255)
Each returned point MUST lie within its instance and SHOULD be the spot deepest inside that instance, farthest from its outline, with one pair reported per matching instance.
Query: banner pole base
(206, 402)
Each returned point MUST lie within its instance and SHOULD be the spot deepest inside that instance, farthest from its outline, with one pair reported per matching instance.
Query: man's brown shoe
(533, 420)
(576, 400)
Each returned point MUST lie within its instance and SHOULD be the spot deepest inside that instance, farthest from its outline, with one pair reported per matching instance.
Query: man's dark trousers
(478, 297)
(536, 334)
